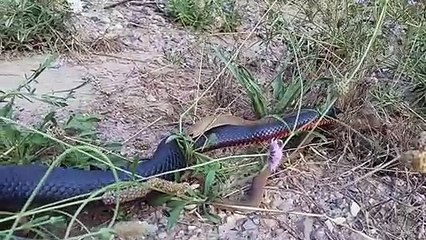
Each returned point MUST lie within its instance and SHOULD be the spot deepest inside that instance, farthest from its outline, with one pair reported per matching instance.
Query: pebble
(278, 231)
(151, 98)
(256, 220)
(159, 19)
(283, 204)
(355, 208)
(117, 14)
(329, 225)
(318, 234)
(339, 195)
(269, 223)
(191, 228)
(76, 5)
(162, 235)
(249, 225)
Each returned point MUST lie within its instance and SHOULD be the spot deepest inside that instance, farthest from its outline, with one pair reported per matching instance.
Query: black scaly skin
(18, 182)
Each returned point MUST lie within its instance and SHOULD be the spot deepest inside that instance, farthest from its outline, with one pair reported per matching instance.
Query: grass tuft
(33, 24)
(219, 15)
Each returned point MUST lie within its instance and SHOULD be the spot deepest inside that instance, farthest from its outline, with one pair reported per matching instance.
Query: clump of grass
(33, 24)
(332, 39)
(205, 15)
(409, 61)
(280, 95)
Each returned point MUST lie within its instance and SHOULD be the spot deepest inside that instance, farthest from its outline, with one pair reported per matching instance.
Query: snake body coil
(18, 182)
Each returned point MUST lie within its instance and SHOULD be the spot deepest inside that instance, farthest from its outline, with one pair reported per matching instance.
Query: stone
(249, 225)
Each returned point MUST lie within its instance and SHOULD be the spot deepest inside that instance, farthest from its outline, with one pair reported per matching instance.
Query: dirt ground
(149, 70)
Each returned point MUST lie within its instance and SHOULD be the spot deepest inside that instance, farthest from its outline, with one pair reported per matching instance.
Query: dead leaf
(230, 223)
(415, 160)
(366, 119)
(419, 162)
(210, 122)
(134, 229)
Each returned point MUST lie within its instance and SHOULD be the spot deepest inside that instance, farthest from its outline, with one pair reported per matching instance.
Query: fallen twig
(116, 4)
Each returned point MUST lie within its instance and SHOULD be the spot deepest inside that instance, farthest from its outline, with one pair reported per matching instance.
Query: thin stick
(371, 172)
(144, 128)
(116, 4)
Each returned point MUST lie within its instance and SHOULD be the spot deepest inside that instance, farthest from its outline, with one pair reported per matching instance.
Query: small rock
(76, 5)
(269, 223)
(151, 98)
(355, 208)
(95, 18)
(278, 231)
(339, 220)
(162, 235)
(339, 195)
(256, 220)
(191, 228)
(249, 225)
(237, 216)
(162, 220)
(158, 18)
(104, 20)
(190, 207)
(117, 26)
(329, 225)
(319, 234)
(230, 223)
(181, 233)
(284, 205)
(222, 215)
(307, 227)
(117, 14)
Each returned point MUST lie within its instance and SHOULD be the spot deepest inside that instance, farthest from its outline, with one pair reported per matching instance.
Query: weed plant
(34, 25)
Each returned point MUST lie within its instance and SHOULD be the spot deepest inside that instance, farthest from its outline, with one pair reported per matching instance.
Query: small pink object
(275, 155)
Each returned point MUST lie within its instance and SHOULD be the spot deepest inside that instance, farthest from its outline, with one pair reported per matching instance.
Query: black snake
(18, 182)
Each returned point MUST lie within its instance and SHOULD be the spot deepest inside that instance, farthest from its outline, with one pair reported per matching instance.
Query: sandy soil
(150, 71)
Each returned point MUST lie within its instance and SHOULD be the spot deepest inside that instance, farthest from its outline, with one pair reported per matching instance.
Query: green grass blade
(250, 84)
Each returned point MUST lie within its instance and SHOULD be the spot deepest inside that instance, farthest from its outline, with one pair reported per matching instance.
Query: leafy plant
(284, 93)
